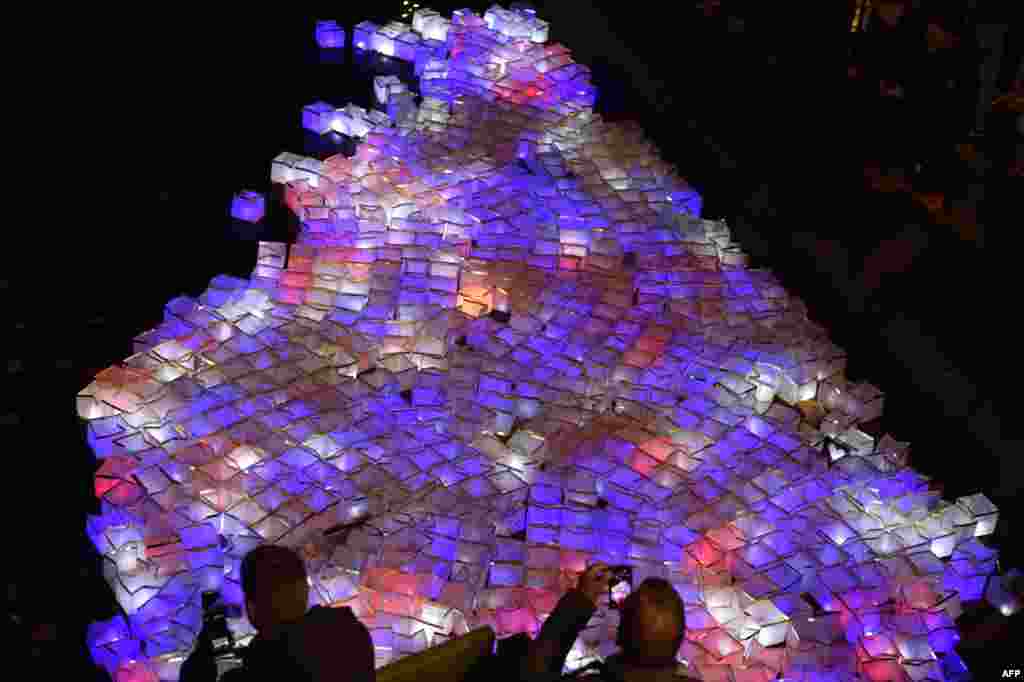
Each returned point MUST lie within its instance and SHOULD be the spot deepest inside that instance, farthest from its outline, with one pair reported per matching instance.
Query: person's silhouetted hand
(594, 582)
(200, 666)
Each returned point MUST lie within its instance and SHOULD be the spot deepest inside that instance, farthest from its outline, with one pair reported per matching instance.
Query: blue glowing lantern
(386, 40)
(248, 206)
(466, 17)
(406, 46)
(317, 117)
(329, 34)
(426, 51)
(362, 35)
(687, 200)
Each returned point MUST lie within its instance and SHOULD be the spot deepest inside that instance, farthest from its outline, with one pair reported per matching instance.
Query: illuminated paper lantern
(402, 108)
(427, 50)
(518, 23)
(329, 34)
(406, 46)
(248, 206)
(430, 24)
(383, 40)
(420, 16)
(362, 34)
(505, 344)
(317, 117)
(386, 87)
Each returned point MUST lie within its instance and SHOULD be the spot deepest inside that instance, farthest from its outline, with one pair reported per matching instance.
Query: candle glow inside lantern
(506, 344)
(363, 33)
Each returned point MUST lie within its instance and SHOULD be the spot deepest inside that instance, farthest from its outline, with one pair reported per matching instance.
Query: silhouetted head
(652, 624)
(276, 586)
(891, 12)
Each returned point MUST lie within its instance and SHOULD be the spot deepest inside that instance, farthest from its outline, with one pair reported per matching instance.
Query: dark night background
(182, 110)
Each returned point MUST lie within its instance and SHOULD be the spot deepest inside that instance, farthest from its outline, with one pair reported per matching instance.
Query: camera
(215, 629)
(619, 586)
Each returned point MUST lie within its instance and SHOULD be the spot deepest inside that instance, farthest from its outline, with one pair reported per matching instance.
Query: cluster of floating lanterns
(506, 345)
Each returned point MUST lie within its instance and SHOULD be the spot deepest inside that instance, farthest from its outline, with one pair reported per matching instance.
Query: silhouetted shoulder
(332, 644)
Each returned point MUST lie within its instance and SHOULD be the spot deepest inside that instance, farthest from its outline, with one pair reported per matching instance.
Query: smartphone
(215, 623)
(620, 585)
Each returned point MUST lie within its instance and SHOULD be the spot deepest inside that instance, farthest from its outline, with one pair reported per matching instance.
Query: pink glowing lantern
(135, 671)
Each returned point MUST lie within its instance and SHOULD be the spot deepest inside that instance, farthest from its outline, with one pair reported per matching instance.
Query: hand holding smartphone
(215, 624)
(620, 585)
